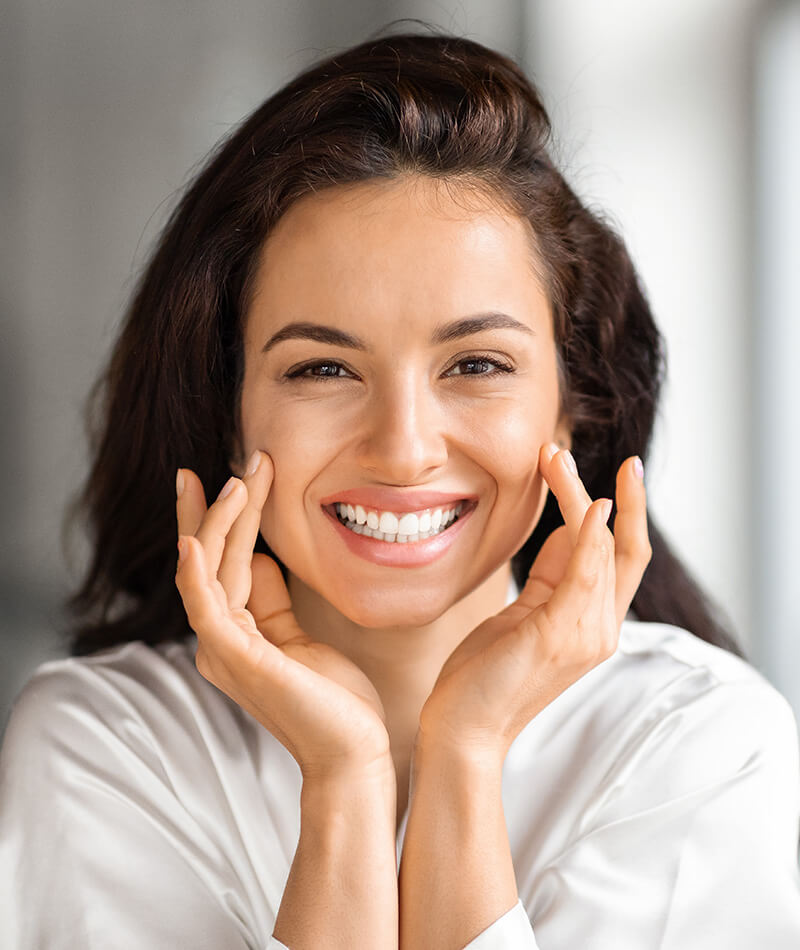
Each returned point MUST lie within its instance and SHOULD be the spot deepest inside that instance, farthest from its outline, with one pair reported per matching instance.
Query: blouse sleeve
(95, 848)
(693, 843)
(512, 931)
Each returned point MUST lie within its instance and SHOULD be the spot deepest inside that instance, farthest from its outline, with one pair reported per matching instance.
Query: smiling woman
(427, 674)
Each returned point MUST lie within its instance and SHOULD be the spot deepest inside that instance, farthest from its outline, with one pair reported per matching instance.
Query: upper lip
(395, 499)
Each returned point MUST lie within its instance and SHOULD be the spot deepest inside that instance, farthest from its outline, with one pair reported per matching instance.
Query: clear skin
(354, 676)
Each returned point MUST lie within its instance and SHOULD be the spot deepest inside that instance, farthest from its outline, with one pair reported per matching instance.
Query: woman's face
(399, 360)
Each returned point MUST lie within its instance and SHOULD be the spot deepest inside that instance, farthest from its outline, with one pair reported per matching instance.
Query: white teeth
(394, 528)
(409, 524)
(388, 523)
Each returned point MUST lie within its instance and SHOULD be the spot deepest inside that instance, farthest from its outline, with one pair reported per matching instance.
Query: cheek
(509, 439)
(300, 440)
(509, 442)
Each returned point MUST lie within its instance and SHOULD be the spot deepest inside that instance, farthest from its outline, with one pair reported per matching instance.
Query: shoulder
(673, 668)
(695, 711)
(114, 679)
(131, 698)
(669, 709)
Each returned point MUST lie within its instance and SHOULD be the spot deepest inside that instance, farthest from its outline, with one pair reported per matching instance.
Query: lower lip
(392, 554)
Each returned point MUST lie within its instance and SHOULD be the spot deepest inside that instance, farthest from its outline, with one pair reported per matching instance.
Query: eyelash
(299, 372)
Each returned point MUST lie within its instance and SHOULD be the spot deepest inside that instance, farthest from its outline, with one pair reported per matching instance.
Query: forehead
(395, 247)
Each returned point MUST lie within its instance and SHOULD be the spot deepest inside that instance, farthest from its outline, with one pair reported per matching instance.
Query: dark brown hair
(426, 104)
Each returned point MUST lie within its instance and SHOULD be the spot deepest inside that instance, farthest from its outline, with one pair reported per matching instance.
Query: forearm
(342, 886)
(456, 875)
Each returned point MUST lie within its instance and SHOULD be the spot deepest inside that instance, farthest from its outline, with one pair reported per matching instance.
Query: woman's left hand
(565, 621)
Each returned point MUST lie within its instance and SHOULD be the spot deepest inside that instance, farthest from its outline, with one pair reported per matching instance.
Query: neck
(401, 662)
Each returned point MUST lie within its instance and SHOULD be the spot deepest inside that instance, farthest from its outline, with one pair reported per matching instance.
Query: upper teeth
(390, 526)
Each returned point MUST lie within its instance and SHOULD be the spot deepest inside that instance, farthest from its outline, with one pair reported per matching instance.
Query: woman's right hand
(314, 700)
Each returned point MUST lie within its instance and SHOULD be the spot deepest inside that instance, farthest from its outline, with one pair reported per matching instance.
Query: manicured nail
(179, 483)
(252, 465)
(569, 461)
(638, 467)
(606, 510)
(227, 488)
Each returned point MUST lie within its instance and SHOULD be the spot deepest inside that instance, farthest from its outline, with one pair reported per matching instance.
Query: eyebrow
(444, 333)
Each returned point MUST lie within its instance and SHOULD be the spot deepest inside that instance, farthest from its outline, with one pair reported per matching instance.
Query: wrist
(376, 773)
(345, 791)
(481, 757)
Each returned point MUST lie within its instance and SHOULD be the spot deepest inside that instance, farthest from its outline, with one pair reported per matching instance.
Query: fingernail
(606, 510)
(569, 461)
(252, 465)
(638, 467)
(227, 488)
(179, 483)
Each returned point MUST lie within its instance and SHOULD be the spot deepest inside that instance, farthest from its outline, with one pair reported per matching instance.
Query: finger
(190, 505)
(226, 642)
(234, 568)
(631, 539)
(203, 609)
(583, 580)
(608, 625)
(547, 569)
(270, 603)
(218, 521)
(595, 630)
(560, 473)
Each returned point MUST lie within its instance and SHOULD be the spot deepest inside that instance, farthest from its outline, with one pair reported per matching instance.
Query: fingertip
(547, 451)
(253, 464)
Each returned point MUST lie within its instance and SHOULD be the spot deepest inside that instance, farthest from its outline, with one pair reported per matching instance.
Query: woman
(420, 714)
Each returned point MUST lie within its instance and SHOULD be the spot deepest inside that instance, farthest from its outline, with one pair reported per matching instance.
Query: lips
(386, 550)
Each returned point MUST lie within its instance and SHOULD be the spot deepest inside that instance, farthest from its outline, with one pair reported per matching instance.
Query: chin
(377, 611)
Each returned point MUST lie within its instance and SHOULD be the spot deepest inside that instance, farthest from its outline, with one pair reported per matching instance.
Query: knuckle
(586, 577)
(545, 624)
(202, 663)
(606, 648)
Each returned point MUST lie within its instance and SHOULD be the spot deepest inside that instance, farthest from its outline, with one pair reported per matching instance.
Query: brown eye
(479, 366)
(321, 369)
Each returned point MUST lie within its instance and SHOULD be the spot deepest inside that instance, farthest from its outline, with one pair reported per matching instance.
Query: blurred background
(681, 118)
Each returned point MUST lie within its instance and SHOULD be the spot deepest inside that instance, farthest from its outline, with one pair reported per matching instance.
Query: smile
(397, 528)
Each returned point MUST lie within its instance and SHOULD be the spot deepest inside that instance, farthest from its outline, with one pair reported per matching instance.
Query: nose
(403, 441)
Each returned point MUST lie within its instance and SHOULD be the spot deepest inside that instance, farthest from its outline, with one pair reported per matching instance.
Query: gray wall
(108, 106)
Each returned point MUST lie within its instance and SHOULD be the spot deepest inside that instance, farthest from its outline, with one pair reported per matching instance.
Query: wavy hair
(427, 104)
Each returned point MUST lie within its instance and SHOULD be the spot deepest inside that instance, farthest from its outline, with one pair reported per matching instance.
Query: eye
(319, 370)
(479, 366)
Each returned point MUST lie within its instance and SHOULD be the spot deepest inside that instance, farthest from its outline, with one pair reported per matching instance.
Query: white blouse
(654, 805)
